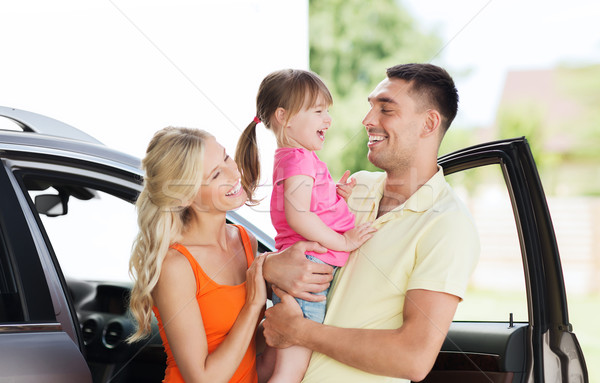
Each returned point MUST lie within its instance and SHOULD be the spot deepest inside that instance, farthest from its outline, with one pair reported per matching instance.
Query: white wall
(120, 70)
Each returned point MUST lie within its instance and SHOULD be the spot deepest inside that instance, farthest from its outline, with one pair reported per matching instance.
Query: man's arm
(407, 352)
(291, 271)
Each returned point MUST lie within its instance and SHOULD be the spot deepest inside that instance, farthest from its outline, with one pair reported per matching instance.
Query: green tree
(525, 119)
(352, 42)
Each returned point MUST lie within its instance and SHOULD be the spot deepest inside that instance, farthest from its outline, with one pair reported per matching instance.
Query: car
(64, 315)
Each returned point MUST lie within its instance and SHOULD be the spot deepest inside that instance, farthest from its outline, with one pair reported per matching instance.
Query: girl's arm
(175, 297)
(297, 196)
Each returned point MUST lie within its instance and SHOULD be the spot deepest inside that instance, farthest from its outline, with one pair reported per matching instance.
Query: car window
(92, 236)
(93, 240)
(497, 287)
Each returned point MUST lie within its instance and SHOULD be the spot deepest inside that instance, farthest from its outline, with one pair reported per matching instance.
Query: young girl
(196, 273)
(304, 204)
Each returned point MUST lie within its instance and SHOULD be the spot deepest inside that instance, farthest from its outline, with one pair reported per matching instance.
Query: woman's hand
(256, 288)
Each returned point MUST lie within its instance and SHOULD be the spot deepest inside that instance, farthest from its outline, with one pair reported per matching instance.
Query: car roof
(41, 134)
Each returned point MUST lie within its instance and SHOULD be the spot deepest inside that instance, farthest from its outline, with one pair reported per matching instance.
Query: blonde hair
(173, 168)
(289, 89)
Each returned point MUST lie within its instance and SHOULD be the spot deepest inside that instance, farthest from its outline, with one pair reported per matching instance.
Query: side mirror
(52, 205)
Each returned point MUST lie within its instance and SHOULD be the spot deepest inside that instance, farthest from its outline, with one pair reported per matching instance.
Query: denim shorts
(312, 310)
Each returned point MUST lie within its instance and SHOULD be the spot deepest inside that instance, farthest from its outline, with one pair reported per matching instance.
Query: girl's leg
(265, 364)
(265, 356)
(291, 365)
(292, 362)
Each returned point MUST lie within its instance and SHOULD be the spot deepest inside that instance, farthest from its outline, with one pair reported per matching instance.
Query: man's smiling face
(393, 125)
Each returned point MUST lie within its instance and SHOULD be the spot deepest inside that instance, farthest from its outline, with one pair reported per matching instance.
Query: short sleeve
(446, 255)
(291, 162)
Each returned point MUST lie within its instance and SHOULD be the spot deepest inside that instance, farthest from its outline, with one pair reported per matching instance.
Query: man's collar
(423, 199)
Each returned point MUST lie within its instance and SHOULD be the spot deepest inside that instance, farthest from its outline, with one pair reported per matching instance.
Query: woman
(194, 271)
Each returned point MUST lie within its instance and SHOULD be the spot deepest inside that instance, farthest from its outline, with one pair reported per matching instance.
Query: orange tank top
(220, 306)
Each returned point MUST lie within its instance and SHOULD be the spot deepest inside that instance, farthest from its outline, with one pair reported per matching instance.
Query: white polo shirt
(430, 242)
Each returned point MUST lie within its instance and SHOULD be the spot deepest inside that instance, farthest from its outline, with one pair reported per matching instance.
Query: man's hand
(291, 271)
(343, 187)
(282, 321)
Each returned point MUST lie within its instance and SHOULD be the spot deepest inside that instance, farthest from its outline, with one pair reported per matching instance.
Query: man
(391, 305)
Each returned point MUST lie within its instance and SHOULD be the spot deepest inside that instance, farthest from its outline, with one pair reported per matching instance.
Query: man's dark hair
(433, 85)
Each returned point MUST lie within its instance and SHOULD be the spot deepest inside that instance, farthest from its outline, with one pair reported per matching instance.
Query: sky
(487, 38)
(122, 69)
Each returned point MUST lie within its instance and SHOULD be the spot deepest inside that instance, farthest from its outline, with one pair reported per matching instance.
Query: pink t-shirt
(324, 201)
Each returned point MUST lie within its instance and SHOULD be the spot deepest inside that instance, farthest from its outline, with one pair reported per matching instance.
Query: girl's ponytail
(248, 160)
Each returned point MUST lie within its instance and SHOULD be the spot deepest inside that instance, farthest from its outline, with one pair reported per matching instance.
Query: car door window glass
(92, 241)
(497, 287)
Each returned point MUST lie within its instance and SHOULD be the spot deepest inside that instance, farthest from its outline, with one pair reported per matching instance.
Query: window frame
(22, 252)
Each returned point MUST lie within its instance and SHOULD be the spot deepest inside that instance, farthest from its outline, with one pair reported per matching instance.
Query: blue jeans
(312, 310)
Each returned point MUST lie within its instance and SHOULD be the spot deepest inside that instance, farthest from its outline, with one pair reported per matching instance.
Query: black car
(64, 316)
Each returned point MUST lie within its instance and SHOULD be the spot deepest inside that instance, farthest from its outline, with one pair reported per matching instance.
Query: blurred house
(558, 111)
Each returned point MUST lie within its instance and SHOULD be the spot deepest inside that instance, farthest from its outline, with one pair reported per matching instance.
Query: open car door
(539, 345)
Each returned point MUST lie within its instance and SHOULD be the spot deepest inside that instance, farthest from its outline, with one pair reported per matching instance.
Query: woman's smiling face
(221, 188)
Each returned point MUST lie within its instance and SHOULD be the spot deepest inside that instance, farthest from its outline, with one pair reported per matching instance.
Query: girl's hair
(173, 174)
(290, 89)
